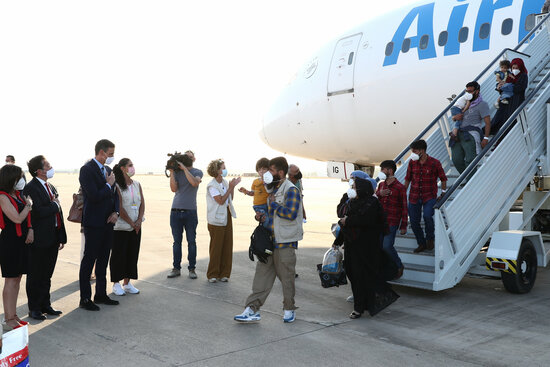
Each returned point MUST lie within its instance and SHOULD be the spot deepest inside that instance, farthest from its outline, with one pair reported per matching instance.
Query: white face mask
(268, 178)
(382, 176)
(352, 194)
(20, 185)
(50, 173)
(515, 71)
(351, 182)
(415, 156)
(468, 96)
(109, 160)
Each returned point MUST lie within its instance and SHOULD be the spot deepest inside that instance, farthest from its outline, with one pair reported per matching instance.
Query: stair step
(413, 284)
(410, 250)
(419, 268)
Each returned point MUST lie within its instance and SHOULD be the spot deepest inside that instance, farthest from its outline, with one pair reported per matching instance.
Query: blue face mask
(224, 172)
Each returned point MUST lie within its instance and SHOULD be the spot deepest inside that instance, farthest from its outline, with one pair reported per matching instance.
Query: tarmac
(185, 322)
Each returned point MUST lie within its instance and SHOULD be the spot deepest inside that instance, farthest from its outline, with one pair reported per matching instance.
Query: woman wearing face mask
(16, 234)
(520, 80)
(219, 204)
(127, 230)
(362, 224)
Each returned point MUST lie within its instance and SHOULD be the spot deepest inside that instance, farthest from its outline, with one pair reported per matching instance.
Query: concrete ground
(177, 322)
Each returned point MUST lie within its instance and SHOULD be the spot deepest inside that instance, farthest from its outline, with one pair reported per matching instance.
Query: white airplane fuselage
(359, 100)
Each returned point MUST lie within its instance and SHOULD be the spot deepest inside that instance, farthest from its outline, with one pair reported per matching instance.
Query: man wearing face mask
(49, 237)
(474, 130)
(285, 220)
(99, 215)
(10, 159)
(422, 175)
(393, 197)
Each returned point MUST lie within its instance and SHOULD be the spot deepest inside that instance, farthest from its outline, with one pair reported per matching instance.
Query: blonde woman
(219, 203)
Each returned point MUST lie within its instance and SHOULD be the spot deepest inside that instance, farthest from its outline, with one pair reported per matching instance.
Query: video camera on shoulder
(176, 157)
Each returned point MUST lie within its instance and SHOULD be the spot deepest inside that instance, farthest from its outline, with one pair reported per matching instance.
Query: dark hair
(262, 163)
(475, 85)
(389, 164)
(419, 144)
(9, 175)
(35, 164)
(119, 175)
(280, 164)
(505, 63)
(103, 145)
(11, 157)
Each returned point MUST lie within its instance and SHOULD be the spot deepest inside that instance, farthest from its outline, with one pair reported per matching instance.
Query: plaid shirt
(395, 204)
(423, 179)
(289, 211)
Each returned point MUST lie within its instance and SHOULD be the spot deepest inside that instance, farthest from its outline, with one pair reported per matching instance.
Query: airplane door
(340, 78)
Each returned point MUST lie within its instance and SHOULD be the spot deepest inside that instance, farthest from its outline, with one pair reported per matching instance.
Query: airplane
(367, 94)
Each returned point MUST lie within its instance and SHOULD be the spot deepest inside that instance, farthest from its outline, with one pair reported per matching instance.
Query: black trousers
(42, 262)
(97, 248)
(124, 257)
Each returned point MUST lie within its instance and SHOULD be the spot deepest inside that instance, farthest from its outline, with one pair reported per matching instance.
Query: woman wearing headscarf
(17, 233)
(367, 265)
(520, 81)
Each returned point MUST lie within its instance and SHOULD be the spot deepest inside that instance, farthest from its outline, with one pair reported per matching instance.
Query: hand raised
(111, 178)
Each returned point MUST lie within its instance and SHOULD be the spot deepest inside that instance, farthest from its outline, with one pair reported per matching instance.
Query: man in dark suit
(49, 237)
(99, 214)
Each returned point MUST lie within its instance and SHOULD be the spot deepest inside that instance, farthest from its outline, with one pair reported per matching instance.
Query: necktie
(103, 171)
(57, 215)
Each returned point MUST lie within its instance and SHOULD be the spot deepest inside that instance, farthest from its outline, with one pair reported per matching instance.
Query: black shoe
(105, 300)
(37, 315)
(420, 248)
(87, 304)
(50, 311)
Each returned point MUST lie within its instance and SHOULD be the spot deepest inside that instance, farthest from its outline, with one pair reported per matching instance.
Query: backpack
(261, 244)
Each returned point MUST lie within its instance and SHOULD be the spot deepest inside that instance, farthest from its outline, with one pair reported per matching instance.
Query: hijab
(521, 66)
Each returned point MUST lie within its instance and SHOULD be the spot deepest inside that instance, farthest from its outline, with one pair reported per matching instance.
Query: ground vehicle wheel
(524, 279)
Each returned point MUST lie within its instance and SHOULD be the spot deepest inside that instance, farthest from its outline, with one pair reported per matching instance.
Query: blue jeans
(180, 220)
(262, 208)
(416, 211)
(456, 111)
(387, 244)
(507, 91)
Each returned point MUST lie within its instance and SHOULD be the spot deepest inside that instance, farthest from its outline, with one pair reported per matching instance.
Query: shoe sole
(289, 321)
(247, 321)
(132, 292)
(173, 276)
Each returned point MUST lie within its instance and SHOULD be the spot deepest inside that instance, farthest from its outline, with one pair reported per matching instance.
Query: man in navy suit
(49, 237)
(99, 215)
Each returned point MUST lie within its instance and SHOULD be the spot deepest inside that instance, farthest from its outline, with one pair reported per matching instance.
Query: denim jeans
(180, 220)
(416, 211)
(387, 244)
(507, 91)
(262, 208)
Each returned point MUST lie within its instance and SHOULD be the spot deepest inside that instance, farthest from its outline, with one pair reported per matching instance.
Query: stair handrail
(502, 131)
(432, 124)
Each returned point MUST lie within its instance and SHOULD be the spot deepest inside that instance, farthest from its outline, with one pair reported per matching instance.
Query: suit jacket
(100, 201)
(43, 215)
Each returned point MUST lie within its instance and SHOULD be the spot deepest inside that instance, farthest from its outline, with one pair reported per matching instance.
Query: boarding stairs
(477, 201)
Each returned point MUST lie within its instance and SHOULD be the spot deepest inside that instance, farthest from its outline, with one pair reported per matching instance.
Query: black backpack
(261, 244)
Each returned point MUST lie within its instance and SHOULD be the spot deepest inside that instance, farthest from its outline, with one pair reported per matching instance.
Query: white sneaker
(131, 289)
(248, 316)
(212, 280)
(224, 279)
(350, 298)
(497, 105)
(289, 316)
(117, 290)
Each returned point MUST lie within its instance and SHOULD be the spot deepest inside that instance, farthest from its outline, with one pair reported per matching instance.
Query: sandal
(7, 327)
(354, 315)
(20, 321)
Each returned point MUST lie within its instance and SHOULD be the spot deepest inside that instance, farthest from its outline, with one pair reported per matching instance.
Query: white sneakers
(122, 290)
(289, 316)
(224, 279)
(129, 288)
(117, 290)
(212, 280)
(248, 316)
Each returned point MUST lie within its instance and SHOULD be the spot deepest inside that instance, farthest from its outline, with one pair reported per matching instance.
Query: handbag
(75, 213)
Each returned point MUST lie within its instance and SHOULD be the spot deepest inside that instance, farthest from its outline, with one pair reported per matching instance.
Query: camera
(176, 157)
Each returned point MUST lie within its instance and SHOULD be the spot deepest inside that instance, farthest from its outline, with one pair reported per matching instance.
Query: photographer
(184, 182)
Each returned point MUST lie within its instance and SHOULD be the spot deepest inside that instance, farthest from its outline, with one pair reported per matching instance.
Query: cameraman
(184, 181)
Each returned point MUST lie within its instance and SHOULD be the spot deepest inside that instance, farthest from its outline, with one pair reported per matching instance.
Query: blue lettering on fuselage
(424, 15)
